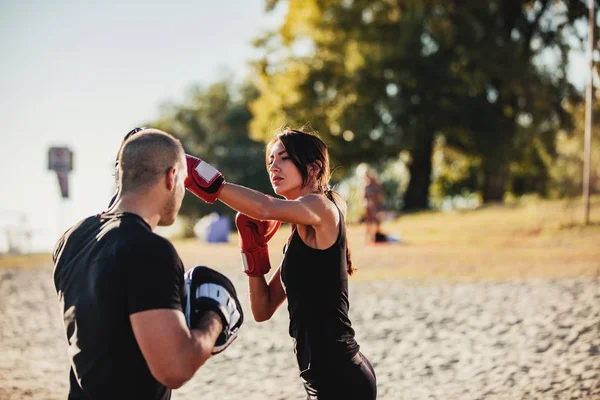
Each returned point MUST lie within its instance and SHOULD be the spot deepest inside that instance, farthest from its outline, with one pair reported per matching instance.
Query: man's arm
(174, 352)
(176, 341)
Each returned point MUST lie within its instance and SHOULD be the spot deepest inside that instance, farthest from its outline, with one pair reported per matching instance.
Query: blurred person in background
(213, 228)
(371, 193)
(313, 275)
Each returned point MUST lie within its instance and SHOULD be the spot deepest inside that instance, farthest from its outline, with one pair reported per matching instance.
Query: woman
(314, 272)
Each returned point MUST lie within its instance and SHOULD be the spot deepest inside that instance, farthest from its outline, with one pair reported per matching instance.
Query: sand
(528, 339)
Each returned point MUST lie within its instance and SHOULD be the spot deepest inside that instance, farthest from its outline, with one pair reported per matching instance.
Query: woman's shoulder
(318, 200)
(320, 204)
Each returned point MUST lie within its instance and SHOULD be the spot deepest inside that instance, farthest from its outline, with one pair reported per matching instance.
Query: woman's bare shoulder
(320, 204)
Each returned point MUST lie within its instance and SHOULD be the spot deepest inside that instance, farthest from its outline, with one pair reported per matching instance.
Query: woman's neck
(302, 192)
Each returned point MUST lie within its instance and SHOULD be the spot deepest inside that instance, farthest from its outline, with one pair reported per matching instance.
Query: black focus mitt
(209, 290)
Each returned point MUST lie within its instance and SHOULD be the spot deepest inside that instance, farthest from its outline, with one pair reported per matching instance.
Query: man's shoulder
(147, 241)
(81, 226)
(148, 254)
(152, 241)
(84, 223)
(125, 226)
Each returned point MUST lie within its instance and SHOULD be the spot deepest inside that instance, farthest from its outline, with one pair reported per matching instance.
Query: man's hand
(208, 290)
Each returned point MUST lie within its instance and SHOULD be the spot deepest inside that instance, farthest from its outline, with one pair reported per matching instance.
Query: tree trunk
(495, 176)
(417, 192)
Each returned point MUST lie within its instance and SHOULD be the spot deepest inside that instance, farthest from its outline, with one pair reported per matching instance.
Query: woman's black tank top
(316, 283)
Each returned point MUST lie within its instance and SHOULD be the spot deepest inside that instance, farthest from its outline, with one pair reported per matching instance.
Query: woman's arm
(307, 210)
(208, 184)
(265, 298)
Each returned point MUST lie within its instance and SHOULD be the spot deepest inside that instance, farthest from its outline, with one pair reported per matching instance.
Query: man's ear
(171, 178)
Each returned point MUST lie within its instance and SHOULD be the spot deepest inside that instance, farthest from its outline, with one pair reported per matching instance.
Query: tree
(566, 170)
(516, 99)
(378, 77)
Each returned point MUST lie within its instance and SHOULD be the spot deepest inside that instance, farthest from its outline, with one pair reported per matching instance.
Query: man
(123, 291)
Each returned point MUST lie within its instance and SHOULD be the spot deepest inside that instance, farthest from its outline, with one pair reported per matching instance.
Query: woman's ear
(316, 168)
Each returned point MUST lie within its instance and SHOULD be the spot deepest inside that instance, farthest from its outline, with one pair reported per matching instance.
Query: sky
(82, 74)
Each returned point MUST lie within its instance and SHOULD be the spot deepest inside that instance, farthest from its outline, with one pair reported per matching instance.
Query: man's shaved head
(146, 157)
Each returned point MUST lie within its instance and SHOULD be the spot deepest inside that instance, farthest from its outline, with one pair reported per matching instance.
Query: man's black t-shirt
(106, 268)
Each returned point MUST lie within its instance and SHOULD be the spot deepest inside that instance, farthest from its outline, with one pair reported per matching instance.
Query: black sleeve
(58, 248)
(154, 276)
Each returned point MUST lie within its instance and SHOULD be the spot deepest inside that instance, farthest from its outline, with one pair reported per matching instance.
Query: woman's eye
(285, 158)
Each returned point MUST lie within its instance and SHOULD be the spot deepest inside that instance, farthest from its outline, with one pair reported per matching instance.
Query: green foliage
(566, 171)
(212, 124)
(455, 174)
(394, 177)
(375, 78)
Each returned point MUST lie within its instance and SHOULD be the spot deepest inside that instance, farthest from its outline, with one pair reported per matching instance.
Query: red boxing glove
(254, 235)
(203, 179)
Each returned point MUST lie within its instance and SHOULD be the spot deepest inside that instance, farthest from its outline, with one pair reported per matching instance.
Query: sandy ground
(529, 339)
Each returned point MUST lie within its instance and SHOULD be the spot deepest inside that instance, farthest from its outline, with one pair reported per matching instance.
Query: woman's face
(284, 175)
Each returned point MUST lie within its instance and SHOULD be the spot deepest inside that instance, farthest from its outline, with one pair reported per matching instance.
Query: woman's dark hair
(309, 153)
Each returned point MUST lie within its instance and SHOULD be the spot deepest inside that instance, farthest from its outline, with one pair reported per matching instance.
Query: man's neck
(137, 205)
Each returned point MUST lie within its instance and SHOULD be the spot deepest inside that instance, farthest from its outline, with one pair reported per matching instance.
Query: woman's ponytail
(339, 201)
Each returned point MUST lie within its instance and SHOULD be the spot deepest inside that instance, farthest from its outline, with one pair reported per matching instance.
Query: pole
(61, 216)
(587, 157)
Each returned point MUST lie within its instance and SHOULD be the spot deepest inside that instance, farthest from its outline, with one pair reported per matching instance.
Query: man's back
(108, 267)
